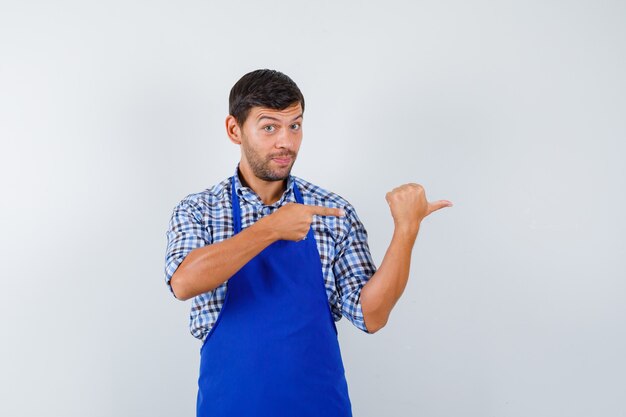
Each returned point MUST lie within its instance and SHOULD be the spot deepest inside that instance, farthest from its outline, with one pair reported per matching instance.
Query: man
(272, 261)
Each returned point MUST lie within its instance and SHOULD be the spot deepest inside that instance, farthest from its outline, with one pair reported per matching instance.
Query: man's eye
(269, 128)
(295, 126)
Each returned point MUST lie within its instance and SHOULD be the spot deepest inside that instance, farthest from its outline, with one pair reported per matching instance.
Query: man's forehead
(292, 111)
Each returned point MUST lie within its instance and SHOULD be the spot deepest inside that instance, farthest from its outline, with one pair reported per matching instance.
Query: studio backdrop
(112, 112)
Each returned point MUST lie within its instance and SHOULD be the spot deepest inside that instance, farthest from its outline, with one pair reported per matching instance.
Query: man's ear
(233, 130)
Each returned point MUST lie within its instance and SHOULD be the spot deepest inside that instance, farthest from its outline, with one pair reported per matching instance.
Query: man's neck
(269, 191)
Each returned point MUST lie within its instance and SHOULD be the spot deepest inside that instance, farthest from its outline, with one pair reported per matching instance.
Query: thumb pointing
(437, 205)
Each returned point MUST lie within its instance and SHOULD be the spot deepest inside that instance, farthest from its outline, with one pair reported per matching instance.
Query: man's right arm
(206, 268)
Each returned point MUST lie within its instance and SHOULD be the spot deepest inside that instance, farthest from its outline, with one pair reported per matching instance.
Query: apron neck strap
(237, 209)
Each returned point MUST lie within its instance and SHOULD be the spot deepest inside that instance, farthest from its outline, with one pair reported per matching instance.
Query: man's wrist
(265, 232)
(408, 231)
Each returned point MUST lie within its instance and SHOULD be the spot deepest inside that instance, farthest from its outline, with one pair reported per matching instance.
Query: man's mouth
(282, 160)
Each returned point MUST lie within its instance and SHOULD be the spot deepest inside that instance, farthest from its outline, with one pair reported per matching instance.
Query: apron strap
(237, 209)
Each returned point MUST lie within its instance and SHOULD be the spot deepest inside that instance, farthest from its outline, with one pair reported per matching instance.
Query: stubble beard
(261, 168)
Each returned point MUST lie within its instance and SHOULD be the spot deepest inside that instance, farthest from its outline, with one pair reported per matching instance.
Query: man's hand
(293, 220)
(409, 206)
(379, 295)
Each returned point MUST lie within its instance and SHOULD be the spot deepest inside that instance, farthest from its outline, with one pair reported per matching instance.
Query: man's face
(270, 140)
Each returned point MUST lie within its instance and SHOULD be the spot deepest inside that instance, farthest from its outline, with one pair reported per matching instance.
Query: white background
(111, 112)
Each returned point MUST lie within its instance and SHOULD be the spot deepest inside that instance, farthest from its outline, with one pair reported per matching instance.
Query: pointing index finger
(325, 211)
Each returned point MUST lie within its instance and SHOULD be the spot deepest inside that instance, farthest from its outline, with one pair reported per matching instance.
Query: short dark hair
(263, 88)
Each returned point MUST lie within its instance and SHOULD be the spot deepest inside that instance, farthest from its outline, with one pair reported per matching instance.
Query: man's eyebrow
(278, 120)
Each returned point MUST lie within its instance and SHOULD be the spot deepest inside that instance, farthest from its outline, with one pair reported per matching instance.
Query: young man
(272, 261)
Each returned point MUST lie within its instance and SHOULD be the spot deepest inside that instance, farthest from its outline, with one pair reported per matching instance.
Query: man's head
(262, 88)
(266, 109)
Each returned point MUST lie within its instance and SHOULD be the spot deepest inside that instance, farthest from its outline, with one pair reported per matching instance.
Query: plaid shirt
(205, 217)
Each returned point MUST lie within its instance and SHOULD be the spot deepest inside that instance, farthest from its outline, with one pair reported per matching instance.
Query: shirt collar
(249, 195)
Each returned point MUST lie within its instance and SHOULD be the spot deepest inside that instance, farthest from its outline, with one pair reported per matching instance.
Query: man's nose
(284, 139)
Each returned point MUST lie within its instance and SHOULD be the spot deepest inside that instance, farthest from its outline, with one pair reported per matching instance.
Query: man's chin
(278, 175)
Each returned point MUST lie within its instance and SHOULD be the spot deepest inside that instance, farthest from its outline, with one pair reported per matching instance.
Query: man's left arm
(379, 295)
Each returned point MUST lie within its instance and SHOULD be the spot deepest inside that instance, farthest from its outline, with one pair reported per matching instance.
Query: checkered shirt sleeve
(185, 233)
(352, 268)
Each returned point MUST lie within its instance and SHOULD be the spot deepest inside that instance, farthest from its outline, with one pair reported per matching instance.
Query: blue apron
(273, 350)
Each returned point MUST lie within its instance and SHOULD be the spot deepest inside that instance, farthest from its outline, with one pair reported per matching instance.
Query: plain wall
(111, 112)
